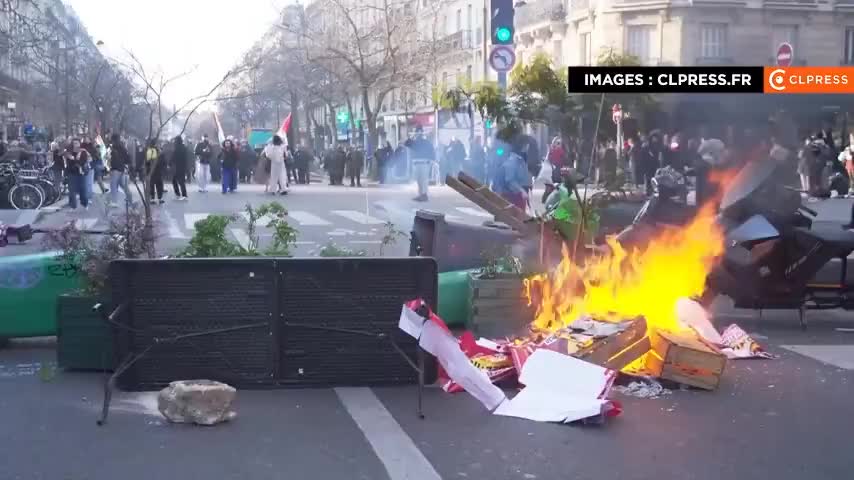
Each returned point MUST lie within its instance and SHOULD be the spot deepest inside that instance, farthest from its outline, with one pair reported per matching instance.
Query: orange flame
(622, 284)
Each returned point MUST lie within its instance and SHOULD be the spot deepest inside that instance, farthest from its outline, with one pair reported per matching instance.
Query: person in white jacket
(275, 153)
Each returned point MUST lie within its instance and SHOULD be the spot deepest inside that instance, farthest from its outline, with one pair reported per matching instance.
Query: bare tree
(152, 86)
(370, 46)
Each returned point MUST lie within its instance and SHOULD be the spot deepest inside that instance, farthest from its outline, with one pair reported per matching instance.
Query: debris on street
(642, 388)
(738, 344)
(201, 402)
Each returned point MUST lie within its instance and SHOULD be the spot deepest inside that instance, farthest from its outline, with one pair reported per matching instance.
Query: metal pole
(502, 80)
(67, 95)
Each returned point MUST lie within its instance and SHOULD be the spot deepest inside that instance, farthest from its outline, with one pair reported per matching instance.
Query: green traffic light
(500, 152)
(502, 34)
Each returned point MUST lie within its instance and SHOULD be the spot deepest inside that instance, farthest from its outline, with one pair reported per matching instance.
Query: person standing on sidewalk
(423, 156)
(96, 173)
(203, 154)
(119, 164)
(154, 169)
(179, 169)
(355, 163)
(230, 157)
(77, 164)
(275, 154)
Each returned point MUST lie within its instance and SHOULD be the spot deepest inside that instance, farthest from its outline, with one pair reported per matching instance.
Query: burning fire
(623, 285)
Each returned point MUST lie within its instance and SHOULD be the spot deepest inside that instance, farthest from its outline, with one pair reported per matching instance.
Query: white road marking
(475, 212)
(307, 219)
(174, 229)
(261, 222)
(241, 236)
(27, 217)
(394, 448)
(366, 242)
(190, 219)
(841, 356)
(358, 217)
(85, 223)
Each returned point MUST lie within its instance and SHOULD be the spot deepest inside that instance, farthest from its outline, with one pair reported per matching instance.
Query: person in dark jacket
(119, 164)
(77, 164)
(355, 163)
(204, 153)
(179, 168)
(230, 157)
(247, 161)
(302, 162)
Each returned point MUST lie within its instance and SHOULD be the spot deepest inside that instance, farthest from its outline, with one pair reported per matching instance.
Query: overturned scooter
(775, 256)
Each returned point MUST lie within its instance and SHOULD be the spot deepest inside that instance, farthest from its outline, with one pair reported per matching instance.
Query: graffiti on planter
(66, 270)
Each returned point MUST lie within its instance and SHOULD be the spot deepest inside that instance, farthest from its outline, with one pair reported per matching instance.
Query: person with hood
(711, 152)
(119, 165)
(204, 152)
(179, 169)
(154, 169)
(77, 165)
(423, 156)
(355, 163)
(229, 156)
(565, 210)
(275, 152)
(512, 179)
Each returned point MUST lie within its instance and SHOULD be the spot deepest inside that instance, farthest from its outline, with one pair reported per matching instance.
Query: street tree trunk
(293, 132)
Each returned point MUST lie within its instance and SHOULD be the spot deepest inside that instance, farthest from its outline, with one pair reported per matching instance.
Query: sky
(175, 36)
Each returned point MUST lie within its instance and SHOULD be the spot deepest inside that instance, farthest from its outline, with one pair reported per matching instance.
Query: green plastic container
(454, 301)
(29, 288)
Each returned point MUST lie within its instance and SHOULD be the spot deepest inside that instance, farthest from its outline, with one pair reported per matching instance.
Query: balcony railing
(539, 11)
(460, 40)
(792, 3)
(714, 61)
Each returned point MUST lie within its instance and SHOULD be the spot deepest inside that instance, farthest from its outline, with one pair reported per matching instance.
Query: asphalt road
(786, 419)
(353, 218)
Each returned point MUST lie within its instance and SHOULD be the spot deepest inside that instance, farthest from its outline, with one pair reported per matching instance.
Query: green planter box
(29, 287)
(499, 307)
(84, 340)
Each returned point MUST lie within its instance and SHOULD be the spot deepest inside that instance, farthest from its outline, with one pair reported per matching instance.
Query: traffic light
(501, 22)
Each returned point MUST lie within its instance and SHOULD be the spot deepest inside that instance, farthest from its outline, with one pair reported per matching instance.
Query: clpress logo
(791, 80)
(777, 80)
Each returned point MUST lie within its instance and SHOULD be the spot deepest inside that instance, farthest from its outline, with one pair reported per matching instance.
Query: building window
(585, 55)
(557, 52)
(468, 73)
(459, 20)
(713, 40)
(848, 47)
(638, 40)
(783, 34)
(424, 3)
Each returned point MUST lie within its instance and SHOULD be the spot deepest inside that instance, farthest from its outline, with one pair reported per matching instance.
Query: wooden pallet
(483, 197)
(620, 349)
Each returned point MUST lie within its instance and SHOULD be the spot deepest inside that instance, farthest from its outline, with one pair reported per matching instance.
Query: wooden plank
(501, 213)
(491, 196)
(685, 359)
(603, 350)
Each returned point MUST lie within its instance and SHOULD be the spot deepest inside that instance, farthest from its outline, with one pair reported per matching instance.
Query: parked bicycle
(25, 189)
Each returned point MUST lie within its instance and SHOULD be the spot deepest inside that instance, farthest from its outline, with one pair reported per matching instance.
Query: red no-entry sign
(785, 53)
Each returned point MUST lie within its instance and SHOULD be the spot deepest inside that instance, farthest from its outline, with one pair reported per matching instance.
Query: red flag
(286, 125)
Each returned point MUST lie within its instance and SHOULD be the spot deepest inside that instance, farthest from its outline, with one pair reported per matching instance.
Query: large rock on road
(202, 402)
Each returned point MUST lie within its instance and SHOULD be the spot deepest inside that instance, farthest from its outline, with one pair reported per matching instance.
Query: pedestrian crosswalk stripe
(174, 230)
(190, 219)
(840, 356)
(307, 219)
(241, 236)
(261, 222)
(358, 217)
(85, 223)
(474, 212)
